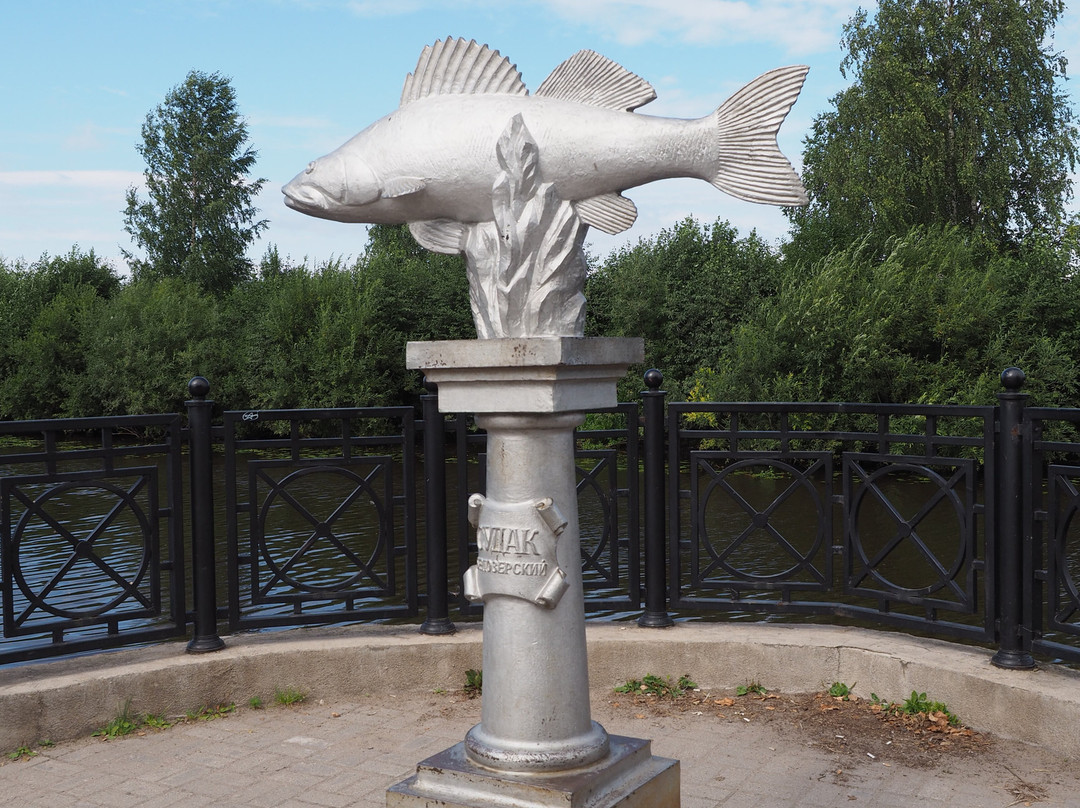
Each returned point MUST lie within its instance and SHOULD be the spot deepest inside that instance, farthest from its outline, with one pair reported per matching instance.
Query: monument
(475, 165)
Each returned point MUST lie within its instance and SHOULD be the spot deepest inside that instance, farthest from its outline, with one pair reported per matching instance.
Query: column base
(629, 777)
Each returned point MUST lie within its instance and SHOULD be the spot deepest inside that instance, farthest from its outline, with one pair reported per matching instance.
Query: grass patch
(209, 713)
(660, 687)
(156, 721)
(289, 696)
(124, 723)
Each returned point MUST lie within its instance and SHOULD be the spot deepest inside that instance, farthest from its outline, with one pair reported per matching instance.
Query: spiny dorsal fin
(589, 78)
(612, 213)
(460, 67)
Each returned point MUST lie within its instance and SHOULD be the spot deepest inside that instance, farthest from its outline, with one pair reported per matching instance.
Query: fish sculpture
(432, 162)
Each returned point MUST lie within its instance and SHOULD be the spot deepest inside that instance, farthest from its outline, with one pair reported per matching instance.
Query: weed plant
(124, 723)
(652, 685)
(289, 696)
(474, 683)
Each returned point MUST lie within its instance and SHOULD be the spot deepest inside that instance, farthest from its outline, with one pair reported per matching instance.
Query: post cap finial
(1012, 379)
(653, 379)
(198, 387)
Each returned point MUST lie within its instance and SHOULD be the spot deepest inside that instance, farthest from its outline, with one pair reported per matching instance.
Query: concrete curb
(71, 698)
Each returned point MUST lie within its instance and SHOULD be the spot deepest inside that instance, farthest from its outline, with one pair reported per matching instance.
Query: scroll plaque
(516, 551)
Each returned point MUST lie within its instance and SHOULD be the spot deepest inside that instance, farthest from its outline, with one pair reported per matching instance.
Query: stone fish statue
(468, 149)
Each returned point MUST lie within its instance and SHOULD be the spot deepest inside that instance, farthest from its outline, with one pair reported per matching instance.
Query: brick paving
(331, 755)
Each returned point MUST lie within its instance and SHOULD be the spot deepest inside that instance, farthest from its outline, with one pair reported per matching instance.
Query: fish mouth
(302, 196)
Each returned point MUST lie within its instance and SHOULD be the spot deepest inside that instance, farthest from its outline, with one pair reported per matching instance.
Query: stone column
(536, 743)
(536, 679)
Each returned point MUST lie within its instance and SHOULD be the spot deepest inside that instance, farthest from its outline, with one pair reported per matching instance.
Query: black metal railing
(114, 575)
(951, 521)
(828, 536)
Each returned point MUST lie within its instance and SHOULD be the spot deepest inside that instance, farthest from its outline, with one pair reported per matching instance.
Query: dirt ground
(850, 730)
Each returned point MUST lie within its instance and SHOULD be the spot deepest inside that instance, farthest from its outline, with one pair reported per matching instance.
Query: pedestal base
(629, 777)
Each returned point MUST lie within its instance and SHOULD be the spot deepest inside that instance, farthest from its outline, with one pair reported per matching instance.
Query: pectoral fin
(440, 235)
(612, 213)
(403, 186)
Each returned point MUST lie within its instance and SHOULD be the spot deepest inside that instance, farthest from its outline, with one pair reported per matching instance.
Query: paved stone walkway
(347, 754)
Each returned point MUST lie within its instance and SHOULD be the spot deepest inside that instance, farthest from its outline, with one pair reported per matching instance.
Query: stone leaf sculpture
(475, 165)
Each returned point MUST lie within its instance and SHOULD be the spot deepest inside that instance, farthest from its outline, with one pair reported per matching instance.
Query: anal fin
(612, 213)
(440, 235)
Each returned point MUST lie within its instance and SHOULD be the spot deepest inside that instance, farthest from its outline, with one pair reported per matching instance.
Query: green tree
(45, 308)
(199, 217)
(145, 345)
(956, 115)
(684, 291)
(933, 322)
(334, 335)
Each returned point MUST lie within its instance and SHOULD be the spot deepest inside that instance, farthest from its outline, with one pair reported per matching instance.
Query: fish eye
(310, 167)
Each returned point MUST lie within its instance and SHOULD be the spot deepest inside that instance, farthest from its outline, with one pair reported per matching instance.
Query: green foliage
(956, 115)
(144, 347)
(156, 721)
(839, 690)
(659, 687)
(934, 321)
(289, 696)
(199, 217)
(210, 712)
(76, 342)
(684, 291)
(45, 309)
(474, 683)
(751, 688)
(918, 703)
(124, 723)
(22, 753)
(334, 335)
(255, 703)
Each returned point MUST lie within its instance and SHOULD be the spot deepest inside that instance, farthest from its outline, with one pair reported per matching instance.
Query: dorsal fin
(589, 78)
(460, 67)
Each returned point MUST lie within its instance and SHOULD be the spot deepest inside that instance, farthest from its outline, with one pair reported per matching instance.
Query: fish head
(337, 186)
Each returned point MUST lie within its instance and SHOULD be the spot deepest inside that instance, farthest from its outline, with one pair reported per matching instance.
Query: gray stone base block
(629, 777)
(526, 374)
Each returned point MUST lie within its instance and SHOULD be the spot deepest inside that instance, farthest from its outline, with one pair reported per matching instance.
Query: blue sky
(77, 79)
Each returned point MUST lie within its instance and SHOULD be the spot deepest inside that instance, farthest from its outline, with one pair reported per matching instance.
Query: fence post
(438, 606)
(204, 589)
(1013, 649)
(655, 615)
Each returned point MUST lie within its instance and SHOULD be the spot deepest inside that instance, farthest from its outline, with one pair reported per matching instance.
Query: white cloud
(104, 180)
(798, 26)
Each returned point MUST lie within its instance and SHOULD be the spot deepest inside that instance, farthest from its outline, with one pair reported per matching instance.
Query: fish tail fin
(751, 165)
